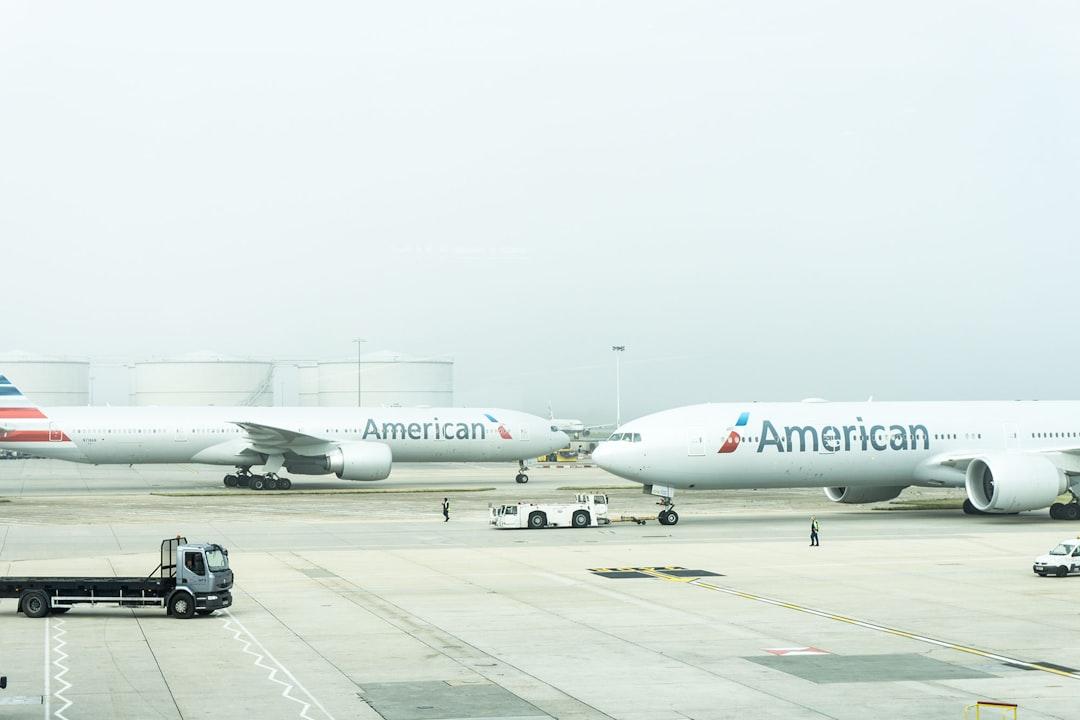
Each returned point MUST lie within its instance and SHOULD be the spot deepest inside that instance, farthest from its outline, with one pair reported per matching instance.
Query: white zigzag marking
(238, 631)
(58, 649)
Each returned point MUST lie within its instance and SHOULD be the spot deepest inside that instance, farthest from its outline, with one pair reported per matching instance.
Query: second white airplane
(351, 443)
(1009, 456)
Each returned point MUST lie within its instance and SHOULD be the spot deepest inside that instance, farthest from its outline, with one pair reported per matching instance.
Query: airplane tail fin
(14, 405)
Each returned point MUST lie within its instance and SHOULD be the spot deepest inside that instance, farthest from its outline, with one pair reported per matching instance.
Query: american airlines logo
(830, 438)
(434, 430)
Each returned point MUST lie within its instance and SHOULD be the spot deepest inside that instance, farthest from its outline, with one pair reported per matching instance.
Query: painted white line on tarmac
(58, 648)
(46, 698)
(238, 629)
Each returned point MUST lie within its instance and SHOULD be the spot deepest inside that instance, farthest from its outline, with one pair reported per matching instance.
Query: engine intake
(1008, 483)
(855, 495)
(363, 461)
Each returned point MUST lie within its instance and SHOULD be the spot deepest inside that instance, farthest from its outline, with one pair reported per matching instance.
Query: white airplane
(352, 443)
(1010, 456)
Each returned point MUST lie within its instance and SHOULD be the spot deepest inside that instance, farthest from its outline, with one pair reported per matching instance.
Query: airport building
(380, 379)
(204, 379)
(49, 380)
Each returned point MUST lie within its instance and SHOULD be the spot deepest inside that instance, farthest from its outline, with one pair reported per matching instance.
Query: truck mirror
(3, 682)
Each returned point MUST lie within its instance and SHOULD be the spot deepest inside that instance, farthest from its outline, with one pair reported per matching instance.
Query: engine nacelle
(854, 495)
(360, 461)
(1011, 482)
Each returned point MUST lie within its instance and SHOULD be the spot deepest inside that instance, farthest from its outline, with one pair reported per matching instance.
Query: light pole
(618, 350)
(358, 341)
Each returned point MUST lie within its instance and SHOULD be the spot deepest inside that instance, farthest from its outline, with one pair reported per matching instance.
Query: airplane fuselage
(823, 444)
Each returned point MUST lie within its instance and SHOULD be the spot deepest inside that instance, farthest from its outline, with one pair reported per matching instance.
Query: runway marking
(47, 697)
(238, 629)
(698, 582)
(58, 649)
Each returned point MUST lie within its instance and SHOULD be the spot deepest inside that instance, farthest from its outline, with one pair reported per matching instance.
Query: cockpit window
(615, 436)
(554, 429)
(637, 437)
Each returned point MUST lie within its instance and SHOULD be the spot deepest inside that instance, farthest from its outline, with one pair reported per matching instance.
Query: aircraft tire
(672, 517)
(271, 484)
(230, 481)
(258, 482)
(663, 517)
(1055, 510)
(521, 478)
(284, 484)
(1070, 511)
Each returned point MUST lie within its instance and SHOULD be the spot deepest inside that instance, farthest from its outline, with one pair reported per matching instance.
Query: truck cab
(1063, 559)
(203, 568)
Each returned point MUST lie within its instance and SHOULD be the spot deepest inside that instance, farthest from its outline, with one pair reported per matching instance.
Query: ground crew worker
(446, 509)
(814, 527)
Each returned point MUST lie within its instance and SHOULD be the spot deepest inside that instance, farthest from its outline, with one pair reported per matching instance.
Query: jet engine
(360, 461)
(1008, 483)
(854, 495)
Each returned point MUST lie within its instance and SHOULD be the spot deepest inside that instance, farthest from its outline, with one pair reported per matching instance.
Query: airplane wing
(273, 440)
(949, 469)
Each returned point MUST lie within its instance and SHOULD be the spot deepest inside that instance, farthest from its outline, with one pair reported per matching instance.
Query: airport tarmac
(368, 605)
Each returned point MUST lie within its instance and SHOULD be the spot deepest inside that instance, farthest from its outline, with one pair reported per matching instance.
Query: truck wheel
(35, 604)
(581, 519)
(537, 520)
(1062, 571)
(182, 606)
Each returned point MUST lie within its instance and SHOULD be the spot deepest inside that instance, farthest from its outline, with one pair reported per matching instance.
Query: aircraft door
(55, 433)
(180, 436)
(1012, 436)
(695, 441)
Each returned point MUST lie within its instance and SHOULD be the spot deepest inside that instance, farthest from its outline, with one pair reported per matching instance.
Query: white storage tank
(204, 379)
(308, 380)
(48, 381)
(387, 379)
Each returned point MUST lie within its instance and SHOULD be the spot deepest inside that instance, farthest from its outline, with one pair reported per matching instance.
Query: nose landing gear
(667, 514)
(521, 477)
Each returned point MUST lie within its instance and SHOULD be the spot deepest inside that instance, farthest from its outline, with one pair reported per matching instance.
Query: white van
(1062, 560)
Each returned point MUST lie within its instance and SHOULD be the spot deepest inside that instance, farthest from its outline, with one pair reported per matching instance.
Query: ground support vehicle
(192, 578)
(585, 511)
(1063, 559)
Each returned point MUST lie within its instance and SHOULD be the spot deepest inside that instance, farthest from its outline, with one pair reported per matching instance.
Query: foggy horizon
(762, 202)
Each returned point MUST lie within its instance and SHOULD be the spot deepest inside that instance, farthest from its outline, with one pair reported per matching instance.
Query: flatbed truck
(192, 578)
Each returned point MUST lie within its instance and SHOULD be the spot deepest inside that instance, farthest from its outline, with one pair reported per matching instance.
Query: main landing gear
(667, 514)
(521, 476)
(269, 481)
(1066, 511)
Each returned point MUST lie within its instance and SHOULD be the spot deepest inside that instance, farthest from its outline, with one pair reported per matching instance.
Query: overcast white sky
(762, 200)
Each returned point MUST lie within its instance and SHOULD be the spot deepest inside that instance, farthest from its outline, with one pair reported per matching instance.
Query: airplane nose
(606, 456)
